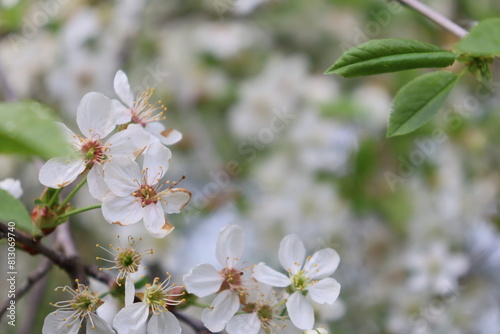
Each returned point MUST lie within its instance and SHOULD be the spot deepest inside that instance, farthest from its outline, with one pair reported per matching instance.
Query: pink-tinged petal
(203, 280)
(165, 136)
(155, 222)
(123, 176)
(121, 210)
(269, 276)
(156, 162)
(230, 245)
(325, 291)
(175, 200)
(247, 323)
(122, 89)
(122, 113)
(292, 253)
(95, 116)
(323, 263)
(57, 322)
(95, 179)
(132, 319)
(300, 311)
(220, 311)
(59, 172)
(165, 322)
(98, 325)
(129, 290)
(130, 142)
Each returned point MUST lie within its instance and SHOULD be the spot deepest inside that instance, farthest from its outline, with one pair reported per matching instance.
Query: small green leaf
(418, 101)
(483, 39)
(390, 55)
(29, 128)
(12, 210)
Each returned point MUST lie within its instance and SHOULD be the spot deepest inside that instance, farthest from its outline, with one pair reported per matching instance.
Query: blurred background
(272, 144)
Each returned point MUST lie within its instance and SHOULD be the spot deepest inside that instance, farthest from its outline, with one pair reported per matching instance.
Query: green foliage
(390, 55)
(419, 100)
(12, 210)
(29, 128)
(483, 39)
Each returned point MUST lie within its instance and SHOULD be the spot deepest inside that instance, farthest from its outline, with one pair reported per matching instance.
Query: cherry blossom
(12, 186)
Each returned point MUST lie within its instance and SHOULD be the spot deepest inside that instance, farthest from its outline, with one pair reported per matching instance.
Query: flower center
(147, 194)
(232, 279)
(300, 281)
(128, 260)
(93, 152)
(157, 295)
(265, 313)
(144, 112)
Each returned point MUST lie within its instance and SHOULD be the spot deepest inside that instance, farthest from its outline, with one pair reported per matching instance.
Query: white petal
(129, 142)
(244, 324)
(129, 290)
(220, 311)
(95, 179)
(69, 135)
(323, 263)
(155, 222)
(203, 280)
(56, 322)
(12, 186)
(230, 245)
(165, 136)
(122, 113)
(300, 311)
(59, 172)
(121, 210)
(269, 276)
(99, 325)
(95, 116)
(123, 176)
(175, 200)
(326, 291)
(156, 162)
(292, 253)
(165, 322)
(131, 319)
(122, 89)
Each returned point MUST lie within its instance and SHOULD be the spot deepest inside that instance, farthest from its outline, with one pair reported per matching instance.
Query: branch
(436, 17)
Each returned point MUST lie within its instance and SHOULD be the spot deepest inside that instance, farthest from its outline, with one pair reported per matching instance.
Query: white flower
(204, 280)
(316, 331)
(306, 277)
(133, 318)
(12, 186)
(71, 313)
(95, 120)
(138, 110)
(138, 195)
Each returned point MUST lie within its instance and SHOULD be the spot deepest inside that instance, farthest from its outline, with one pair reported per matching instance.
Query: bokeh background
(274, 145)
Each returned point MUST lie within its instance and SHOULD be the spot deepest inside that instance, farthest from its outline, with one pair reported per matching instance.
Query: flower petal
(59, 172)
(121, 210)
(129, 142)
(203, 280)
(155, 222)
(292, 253)
(57, 322)
(98, 325)
(122, 113)
(269, 276)
(156, 162)
(165, 322)
(230, 245)
(323, 263)
(69, 135)
(122, 176)
(247, 323)
(95, 179)
(300, 311)
(95, 116)
(129, 290)
(325, 291)
(12, 186)
(175, 200)
(132, 319)
(165, 136)
(220, 311)
(122, 89)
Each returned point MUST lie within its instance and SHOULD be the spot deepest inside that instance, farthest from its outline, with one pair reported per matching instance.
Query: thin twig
(436, 17)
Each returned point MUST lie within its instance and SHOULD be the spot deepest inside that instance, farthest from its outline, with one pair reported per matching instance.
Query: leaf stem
(79, 210)
(438, 18)
(72, 193)
(54, 197)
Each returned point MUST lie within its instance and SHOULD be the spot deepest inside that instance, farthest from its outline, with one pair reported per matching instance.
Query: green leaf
(29, 128)
(483, 39)
(419, 100)
(390, 55)
(12, 210)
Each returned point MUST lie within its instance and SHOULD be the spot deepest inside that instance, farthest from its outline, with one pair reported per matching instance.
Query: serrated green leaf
(12, 210)
(419, 100)
(29, 128)
(483, 39)
(390, 55)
